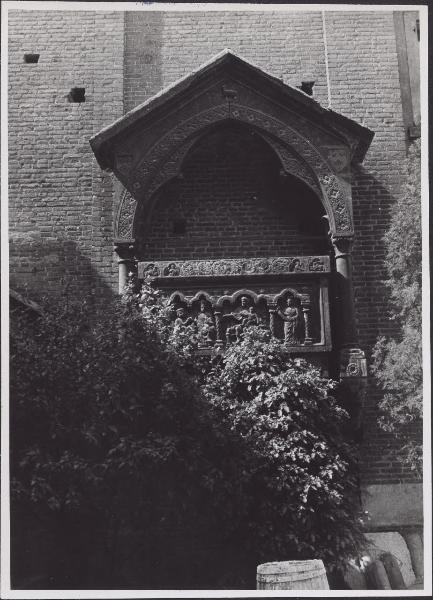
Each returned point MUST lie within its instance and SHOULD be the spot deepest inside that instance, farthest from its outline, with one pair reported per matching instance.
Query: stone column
(352, 358)
(306, 308)
(218, 326)
(352, 362)
(272, 325)
(346, 310)
(125, 250)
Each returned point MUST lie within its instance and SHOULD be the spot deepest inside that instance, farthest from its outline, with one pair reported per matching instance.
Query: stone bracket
(353, 363)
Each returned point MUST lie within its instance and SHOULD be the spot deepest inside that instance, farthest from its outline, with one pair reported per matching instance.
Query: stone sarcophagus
(286, 295)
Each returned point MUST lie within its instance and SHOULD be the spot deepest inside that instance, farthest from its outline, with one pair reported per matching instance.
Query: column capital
(342, 245)
(125, 249)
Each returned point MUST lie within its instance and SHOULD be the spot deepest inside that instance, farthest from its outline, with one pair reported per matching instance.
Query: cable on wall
(328, 81)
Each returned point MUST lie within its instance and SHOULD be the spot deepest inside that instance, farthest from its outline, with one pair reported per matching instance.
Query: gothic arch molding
(170, 167)
(163, 160)
(297, 155)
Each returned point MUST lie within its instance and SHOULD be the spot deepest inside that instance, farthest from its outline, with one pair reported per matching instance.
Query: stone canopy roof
(229, 63)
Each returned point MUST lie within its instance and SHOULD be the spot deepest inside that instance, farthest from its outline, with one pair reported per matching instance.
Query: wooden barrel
(292, 575)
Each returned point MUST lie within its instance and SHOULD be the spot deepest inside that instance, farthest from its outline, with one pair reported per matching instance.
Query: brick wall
(364, 85)
(162, 47)
(233, 206)
(60, 204)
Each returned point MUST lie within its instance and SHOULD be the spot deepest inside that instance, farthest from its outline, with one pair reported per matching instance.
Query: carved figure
(205, 327)
(245, 316)
(291, 316)
(296, 265)
(171, 270)
(151, 270)
(316, 264)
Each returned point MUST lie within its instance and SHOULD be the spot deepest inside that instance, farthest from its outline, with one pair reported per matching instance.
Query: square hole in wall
(179, 226)
(77, 94)
(31, 58)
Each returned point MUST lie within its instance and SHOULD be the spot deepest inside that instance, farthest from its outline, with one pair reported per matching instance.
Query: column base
(353, 387)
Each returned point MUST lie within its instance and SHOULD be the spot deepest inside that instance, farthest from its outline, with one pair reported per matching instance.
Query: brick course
(60, 204)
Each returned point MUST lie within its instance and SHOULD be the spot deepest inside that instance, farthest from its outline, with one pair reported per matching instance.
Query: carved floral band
(280, 265)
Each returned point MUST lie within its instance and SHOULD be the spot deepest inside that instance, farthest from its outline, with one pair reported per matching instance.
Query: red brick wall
(60, 204)
(162, 47)
(233, 207)
(364, 85)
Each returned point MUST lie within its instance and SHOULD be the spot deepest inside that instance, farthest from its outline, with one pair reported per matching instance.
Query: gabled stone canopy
(146, 147)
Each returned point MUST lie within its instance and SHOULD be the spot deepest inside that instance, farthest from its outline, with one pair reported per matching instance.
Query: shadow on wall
(46, 266)
(50, 268)
(372, 203)
(143, 61)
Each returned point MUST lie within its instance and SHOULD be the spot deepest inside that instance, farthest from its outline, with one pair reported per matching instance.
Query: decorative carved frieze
(338, 203)
(234, 267)
(145, 175)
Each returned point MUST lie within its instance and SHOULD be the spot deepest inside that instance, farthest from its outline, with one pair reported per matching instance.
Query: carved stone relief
(337, 201)
(236, 320)
(234, 267)
(219, 321)
(125, 218)
(338, 157)
(292, 317)
(205, 322)
(297, 315)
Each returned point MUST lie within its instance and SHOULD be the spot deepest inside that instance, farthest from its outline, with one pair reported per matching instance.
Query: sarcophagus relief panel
(288, 296)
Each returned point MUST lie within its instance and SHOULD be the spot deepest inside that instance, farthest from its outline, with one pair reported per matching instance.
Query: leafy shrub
(112, 445)
(398, 360)
(299, 490)
(155, 469)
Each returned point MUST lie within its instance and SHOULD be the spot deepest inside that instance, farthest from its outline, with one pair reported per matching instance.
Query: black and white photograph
(215, 300)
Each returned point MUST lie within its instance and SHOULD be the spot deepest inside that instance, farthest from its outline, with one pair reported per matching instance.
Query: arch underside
(296, 154)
